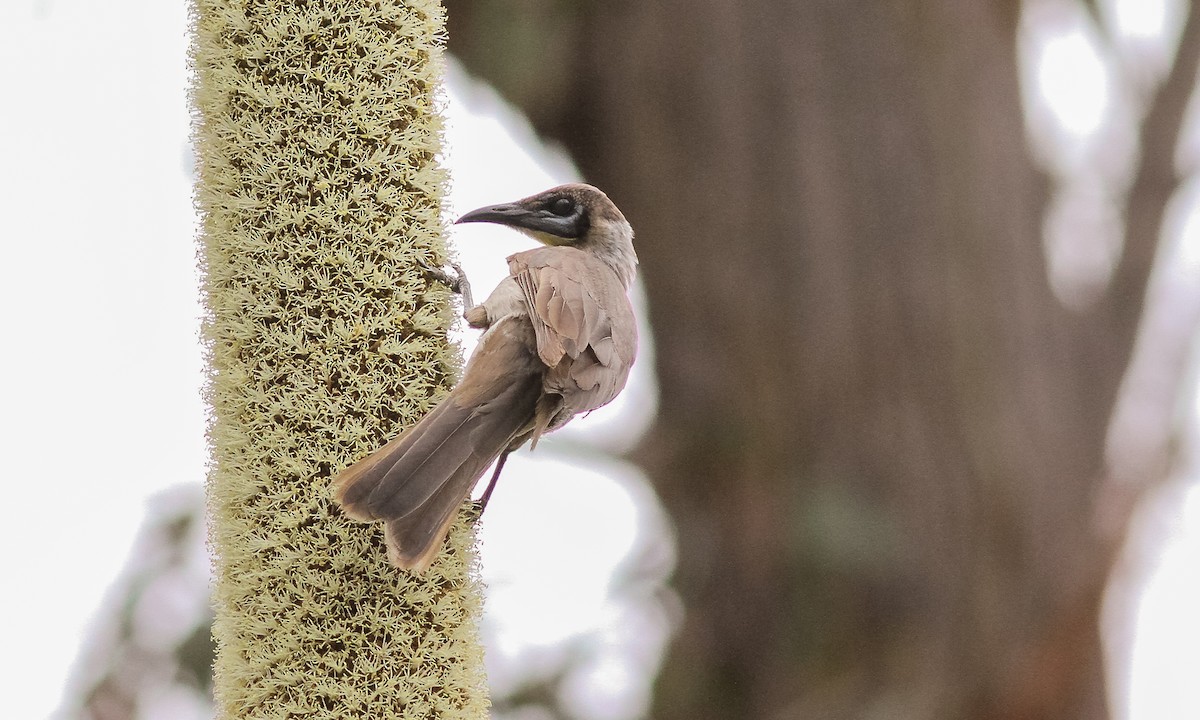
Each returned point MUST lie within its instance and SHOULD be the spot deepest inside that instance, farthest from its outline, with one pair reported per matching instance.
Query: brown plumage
(560, 340)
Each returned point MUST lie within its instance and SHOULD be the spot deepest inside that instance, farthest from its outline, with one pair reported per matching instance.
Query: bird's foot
(457, 282)
(477, 508)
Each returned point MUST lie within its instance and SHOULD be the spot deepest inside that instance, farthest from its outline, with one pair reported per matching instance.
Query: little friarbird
(559, 340)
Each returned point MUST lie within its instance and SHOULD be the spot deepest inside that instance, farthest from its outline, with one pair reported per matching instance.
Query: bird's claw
(454, 282)
(476, 510)
(457, 282)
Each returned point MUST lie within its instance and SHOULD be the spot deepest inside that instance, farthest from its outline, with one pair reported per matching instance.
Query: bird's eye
(562, 207)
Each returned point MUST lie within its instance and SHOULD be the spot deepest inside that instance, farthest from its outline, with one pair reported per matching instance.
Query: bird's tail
(417, 481)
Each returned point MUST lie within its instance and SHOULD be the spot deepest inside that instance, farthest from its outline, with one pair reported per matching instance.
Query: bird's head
(572, 214)
(576, 215)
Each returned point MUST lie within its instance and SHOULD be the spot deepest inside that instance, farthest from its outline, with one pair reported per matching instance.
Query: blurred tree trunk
(881, 436)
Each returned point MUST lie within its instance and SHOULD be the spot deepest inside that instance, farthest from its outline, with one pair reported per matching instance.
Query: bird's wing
(581, 313)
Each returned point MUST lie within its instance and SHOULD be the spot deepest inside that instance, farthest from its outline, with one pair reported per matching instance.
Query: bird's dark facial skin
(559, 216)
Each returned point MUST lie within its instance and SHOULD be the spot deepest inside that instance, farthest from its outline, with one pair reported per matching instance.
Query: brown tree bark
(881, 436)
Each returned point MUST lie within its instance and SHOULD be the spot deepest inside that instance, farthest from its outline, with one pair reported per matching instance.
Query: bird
(559, 339)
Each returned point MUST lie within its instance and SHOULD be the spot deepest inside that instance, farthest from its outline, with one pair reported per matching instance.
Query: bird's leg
(475, 315)
(482, 502)
(457, 282)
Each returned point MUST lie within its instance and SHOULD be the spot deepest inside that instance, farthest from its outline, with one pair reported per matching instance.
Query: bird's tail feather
(417, 481)
(358, 484)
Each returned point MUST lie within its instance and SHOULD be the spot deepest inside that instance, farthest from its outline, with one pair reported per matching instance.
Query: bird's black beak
(521, 217)
(510, 214)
